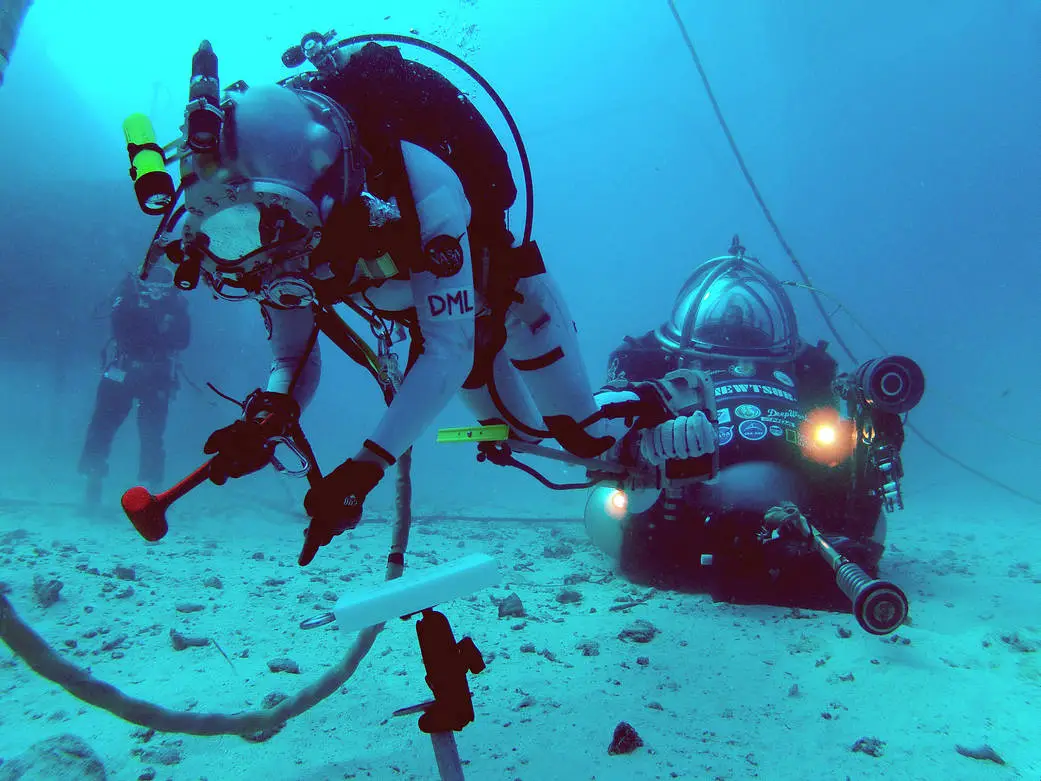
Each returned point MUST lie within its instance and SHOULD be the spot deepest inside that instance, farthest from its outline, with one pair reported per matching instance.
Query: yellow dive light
(152, 183)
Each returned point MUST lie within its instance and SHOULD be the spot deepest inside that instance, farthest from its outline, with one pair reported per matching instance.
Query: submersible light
(617, 503)
(827, 438)
(825, 434)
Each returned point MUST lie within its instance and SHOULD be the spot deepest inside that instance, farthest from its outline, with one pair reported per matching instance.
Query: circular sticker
(784, 379)
(748, 411)
(444, 256)
(742, 369)
(776, 431)
(752, 430)
(726, 434)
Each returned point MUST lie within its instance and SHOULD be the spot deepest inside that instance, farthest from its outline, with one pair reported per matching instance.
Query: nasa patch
(784, 379)
(726, 434)
(444, 256)
(752, 430)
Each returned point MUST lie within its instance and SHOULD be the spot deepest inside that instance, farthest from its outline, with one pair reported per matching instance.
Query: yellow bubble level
(497, 433)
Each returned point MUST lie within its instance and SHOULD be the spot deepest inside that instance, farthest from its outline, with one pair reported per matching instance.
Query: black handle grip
(699, 468)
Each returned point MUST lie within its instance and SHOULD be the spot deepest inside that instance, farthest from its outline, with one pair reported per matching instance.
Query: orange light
(825, 434)
(617, 503)
(827, 438)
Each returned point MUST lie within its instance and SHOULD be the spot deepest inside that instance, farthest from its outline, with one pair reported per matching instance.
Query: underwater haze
(896, 145)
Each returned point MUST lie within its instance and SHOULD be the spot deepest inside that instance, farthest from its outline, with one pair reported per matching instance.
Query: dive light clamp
(192, 111)
(203, 116)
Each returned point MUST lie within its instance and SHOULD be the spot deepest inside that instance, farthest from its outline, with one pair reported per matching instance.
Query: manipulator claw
(680, 392)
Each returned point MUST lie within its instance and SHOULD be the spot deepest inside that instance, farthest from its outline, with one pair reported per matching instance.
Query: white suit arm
(289, 332)
(443, 294)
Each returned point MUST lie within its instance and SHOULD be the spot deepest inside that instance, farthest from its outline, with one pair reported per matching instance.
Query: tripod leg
(447, 755)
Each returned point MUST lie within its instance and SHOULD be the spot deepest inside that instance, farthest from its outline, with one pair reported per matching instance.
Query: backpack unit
(392, 99)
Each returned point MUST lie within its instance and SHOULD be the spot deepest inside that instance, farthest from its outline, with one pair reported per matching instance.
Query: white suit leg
(542, 345)
(289, 331)
(513, 393)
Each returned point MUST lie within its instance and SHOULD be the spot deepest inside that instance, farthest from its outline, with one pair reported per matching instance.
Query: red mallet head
(146, 512)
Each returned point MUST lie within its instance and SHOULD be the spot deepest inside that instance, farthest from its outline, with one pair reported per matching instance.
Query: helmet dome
(286, 156)
(732, 306)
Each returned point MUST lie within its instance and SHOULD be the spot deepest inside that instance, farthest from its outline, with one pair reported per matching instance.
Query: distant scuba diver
(791, 432)
(150, 326)
(371, 181)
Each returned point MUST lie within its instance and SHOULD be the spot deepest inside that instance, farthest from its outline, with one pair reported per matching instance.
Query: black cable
(543, 479)
(795, 261)
(225, 396)
(751, 183)
(340, 334)
(297, 371)
(168, 219)
(182, 374)
(971, 469)
(840, 307)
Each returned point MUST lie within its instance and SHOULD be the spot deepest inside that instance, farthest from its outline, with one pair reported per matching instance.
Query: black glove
(335, 503)
(239, 449)
(245, 446)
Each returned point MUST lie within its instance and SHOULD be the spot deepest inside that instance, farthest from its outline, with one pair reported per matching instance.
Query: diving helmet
(256, 205)
(731, 306)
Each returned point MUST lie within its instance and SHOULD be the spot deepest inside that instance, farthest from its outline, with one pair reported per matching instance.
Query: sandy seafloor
(723, 691)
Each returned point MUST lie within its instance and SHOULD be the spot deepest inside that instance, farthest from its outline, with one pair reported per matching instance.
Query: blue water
(896, 144)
